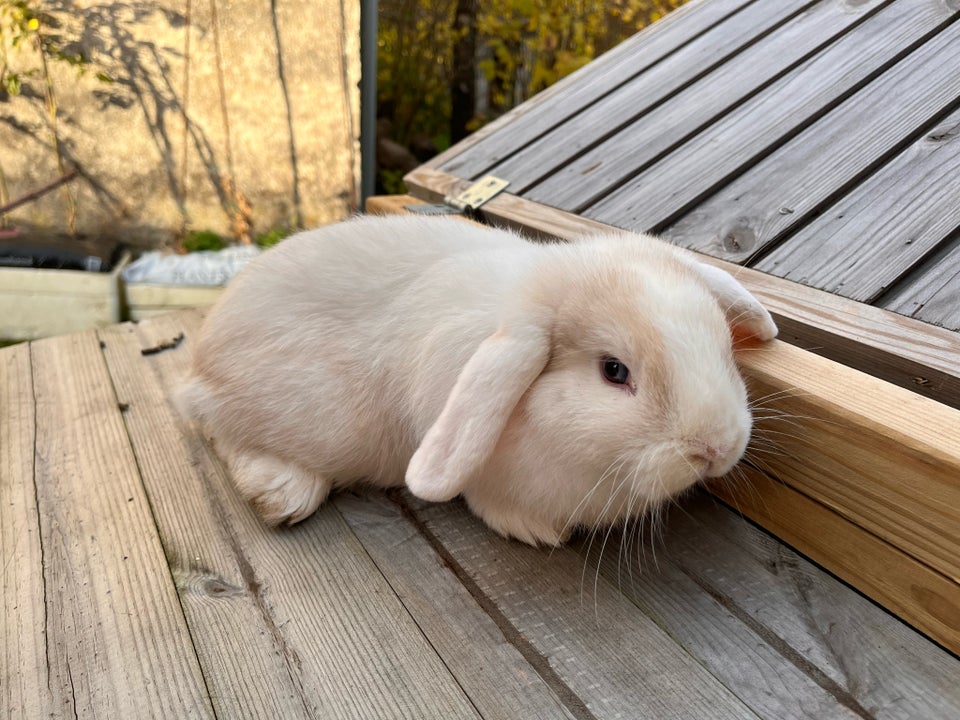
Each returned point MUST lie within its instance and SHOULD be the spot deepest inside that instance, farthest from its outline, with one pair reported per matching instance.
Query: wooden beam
(877, 464)
(880, 456)
(390, 204)
(916, 593)
(898, 349)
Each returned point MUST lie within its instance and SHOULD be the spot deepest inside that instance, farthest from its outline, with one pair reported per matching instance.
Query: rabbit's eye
(614, 371)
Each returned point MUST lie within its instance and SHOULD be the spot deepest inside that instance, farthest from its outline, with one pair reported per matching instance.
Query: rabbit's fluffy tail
(193, 399)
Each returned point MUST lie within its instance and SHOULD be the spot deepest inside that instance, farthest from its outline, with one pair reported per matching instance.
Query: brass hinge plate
(468, 201)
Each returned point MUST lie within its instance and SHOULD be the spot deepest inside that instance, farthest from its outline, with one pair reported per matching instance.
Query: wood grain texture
(876, 234)
(493, 673)
(668, 189)
(744, 656)
(613, 657)
(913, 591)
(933, 295)
(116, 640)
(879, 662)
(243, 661)
(472, 157)
(783, 189)
(881, 456)
(653, 134)
(642, 94)
(351, 648)
(24, 675)
(902, 351)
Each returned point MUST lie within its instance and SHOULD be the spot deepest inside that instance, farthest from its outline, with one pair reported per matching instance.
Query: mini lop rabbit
(552, 385)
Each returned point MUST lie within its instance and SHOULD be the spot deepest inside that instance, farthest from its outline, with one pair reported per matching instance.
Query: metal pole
(368, 99)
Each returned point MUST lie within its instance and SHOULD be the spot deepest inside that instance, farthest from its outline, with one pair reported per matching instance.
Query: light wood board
(913, 591)
(25, 682)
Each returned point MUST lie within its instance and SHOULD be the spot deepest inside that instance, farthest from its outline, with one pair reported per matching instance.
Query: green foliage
(414, 52)
(31, 40)
(197, 240)
(24, 26)
(272, 236)
(523, 46)
(392, 181)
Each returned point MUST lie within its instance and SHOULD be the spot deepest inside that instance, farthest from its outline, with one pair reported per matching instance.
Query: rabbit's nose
(714, 460)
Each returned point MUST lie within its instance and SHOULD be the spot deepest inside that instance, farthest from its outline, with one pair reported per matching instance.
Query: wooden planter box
(145, 300)
(40, 303)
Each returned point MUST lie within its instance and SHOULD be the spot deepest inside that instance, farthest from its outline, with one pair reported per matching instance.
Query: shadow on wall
(235, 117)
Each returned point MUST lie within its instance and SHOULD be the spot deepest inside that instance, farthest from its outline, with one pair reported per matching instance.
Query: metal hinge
(467, 202)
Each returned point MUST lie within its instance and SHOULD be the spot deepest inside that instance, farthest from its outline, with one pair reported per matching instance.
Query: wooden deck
(807, 140)
(136, 583)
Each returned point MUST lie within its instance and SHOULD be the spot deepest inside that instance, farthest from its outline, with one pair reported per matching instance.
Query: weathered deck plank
(870, 657)
(497, 140)
(666, 190)
(500, 682)
(115, 638)
(864, 243)
(347, 640)
(243, 662)
(24, 674)
(931, 294)
(744, 657)
(784, 189)
(646, 93)
(613, 657)
(653, 135)
(886, 574)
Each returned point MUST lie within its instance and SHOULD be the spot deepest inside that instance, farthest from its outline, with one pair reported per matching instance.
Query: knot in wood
(738, 239)
(217, 587)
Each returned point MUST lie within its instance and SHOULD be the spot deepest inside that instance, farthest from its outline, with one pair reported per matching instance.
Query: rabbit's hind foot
(278, 491)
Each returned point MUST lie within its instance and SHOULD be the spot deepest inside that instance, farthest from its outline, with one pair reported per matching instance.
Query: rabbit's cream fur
(461, 360)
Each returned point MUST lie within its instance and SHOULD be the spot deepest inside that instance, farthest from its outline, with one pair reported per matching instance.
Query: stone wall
(235, 116)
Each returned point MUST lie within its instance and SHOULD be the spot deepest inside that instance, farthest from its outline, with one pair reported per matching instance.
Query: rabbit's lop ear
(476, 412)
(748, 319)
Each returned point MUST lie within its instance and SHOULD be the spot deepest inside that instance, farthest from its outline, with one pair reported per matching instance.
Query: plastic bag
(209, 267)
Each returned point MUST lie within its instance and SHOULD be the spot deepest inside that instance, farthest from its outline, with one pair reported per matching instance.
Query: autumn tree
(447, 67)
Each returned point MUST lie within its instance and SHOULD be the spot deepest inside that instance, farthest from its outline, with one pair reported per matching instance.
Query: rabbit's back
(338, 347)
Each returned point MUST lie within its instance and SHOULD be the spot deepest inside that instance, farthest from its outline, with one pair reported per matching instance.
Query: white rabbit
(552, 385)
